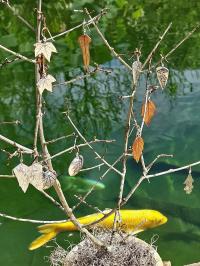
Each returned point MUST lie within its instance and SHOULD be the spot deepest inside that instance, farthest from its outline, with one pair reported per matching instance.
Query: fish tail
(41, 240)
(49, 231)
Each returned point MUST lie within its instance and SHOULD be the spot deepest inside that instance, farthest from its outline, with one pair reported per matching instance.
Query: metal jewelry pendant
(136, 67)
(49, 177)
(76, 165)
(162, 76)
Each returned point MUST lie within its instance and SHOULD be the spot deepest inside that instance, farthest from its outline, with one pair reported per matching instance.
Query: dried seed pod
(136, 68)
(162, 76)
(76, 165)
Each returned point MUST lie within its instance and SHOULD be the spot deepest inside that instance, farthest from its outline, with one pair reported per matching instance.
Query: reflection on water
(95, 102)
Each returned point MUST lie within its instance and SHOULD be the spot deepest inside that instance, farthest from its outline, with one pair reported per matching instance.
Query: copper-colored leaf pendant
(162, 75)
(137, 148)
(149, 112)
(84, 41)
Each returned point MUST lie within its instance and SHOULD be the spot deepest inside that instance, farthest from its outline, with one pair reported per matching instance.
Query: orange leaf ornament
(84, 41)
(137, 148)
(149, 112)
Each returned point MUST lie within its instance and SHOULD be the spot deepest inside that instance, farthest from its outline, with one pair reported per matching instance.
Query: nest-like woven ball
(124, 251)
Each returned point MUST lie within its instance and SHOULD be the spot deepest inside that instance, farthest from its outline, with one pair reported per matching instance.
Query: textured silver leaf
(45, 83)
(136, 68)
(76, 165)
(188, 184)
(162, 75)
(33, 175)
(21, 171)
(45, 48)
(36, 176)
(49, 178)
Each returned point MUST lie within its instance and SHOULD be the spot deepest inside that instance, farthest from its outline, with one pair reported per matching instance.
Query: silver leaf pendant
(136, 68)
(162, 76)
(76, 165)
(49, 178)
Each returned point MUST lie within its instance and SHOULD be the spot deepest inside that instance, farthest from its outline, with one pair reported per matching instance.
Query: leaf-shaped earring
(49, 177)
(162, 76)
(137, 148)
(84, 41)
(45, 48)
(189, 182)
(76, 165)
(136, 68)
(45, 83)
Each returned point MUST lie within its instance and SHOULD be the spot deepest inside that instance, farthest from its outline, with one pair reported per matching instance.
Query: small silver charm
(49, 177)
(76, 165)
(136, 68)
(162, 76)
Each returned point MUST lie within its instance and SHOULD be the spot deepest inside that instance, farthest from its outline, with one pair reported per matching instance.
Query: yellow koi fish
(131, 221)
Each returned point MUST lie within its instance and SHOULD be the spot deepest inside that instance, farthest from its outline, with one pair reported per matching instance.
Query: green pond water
(97, 110)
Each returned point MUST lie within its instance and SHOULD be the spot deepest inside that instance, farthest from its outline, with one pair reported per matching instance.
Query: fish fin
(41, 240)
(48, 231)
(47, 228)
(134, 232)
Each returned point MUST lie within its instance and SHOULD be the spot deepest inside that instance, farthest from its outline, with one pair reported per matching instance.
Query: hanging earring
(76, 165)
(162, 74)
(136, 66)
(84, 42)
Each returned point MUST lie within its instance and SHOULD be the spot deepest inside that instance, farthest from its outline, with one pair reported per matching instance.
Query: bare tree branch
(106, 42)
(17, 145)
(85, 23)
(7, 4)
(17, 54)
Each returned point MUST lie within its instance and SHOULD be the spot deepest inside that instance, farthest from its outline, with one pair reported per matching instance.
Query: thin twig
(149, 57)
(142, 178)
(17, 145)
(78, 146)
(46, 154)
(173, 170)
(17, 122)
(88, 144)
(17, 54)
(30, 220)
(91, 168)
(83, 76)
(7, 61)
(106, 42)
(7, 176)
(60, 138)
(87, 204)
(178, 44)
(52, 200)
(130, 114)
(94, 186)
(158, 157)
(7, 4)
(85, 23)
